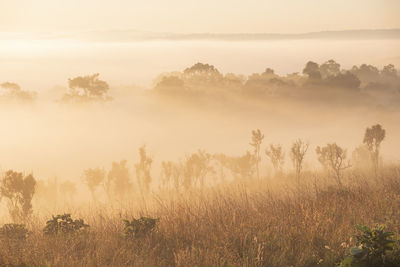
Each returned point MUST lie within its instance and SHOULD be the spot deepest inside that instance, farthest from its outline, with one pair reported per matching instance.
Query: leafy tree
(366, 73)
(202, 74)
(389, 71)
(87, 88)
(276, 155)
(256, 140)
(373, 138)
(343, 80)
(242, 166)
(118, 180)
(297, 154)
(94, 178)
(332, 157)
(197, 166)
(312, 70)
(329, 68)
(143, 169)
(171, 85)
(12, 91)
(19, 190)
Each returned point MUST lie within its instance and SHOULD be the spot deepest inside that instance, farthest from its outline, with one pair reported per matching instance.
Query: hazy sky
(190, 16)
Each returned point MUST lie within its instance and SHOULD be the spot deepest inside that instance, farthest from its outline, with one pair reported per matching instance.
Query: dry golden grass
(270, 222)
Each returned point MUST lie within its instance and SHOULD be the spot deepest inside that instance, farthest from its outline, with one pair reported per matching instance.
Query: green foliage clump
(374, 247)
(139, 227)
(64, 224)
(13, 231)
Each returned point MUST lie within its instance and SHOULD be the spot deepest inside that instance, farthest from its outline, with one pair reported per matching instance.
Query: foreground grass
(271, 222)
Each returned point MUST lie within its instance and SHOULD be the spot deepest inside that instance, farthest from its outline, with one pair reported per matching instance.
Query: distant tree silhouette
(19, 190)
(256, 140)
(276, 155)
(297, 154)
(12, 91)
(332, 157)
(312, 70)
(94, 178)
(366, 73)
(343, 80)
(171, 85)
(197, 166)
(329, 68)
(143, 169)
(373, 138)
(118, 180)
(202, 74)
(86, 89)
(243, 166)
(389, 71)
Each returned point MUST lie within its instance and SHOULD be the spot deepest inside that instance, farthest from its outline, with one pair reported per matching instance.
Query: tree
(197, 166)
(118, 180)
(312, 70)
(332, 157)
(87, 88)
(373, 138)
(172, 172)
(143, 169)
(171, 85)
(276, 155)
(329, 68)
(19, 190)
(343, 80)
(202, 74)
(242, 166)
(94, 178)
(12, 91)
(389, 71)
(256, 140)
(297, 154)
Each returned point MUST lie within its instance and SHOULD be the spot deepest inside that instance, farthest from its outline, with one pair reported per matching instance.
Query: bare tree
(297, 154)
(256, 140)
(332, 157)
(373, 138)
(143, 169)
(19, 190)
(276, 155)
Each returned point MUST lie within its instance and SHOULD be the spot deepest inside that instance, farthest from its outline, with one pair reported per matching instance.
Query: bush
(64, 224)
(139, 227)
(13, 231)
(374, 247)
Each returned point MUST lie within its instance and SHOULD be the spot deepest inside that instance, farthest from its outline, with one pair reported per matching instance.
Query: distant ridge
(133, 35)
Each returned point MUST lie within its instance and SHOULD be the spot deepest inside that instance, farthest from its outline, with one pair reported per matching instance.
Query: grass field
(265, 222)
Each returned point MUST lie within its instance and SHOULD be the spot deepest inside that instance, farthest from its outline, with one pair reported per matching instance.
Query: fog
(52, 139)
